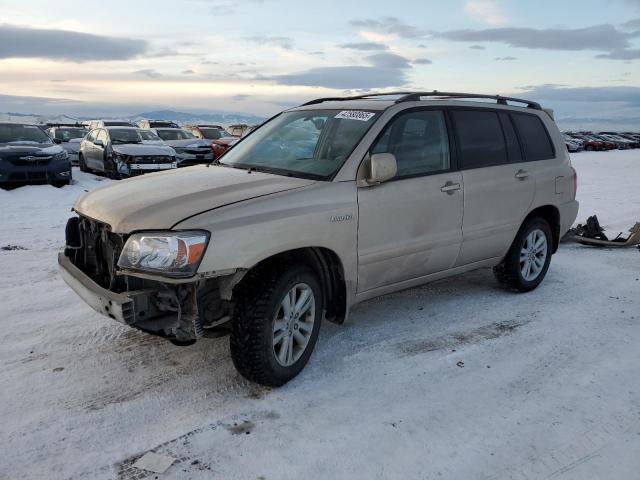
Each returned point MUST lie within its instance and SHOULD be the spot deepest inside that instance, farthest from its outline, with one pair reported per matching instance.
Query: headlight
(61, 155)
(176, 254)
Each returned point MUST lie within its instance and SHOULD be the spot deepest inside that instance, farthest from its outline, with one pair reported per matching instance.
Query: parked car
(328, 204)
(222, 144)
(120, 152)
(620, 143)
(189, 149)
(157, 124)
(108, 123)
(573, 144)
(208, 132)
(150, 137)
(590, 144)
(238, 130)
(606, 144)
(69, 139)
(28, 155)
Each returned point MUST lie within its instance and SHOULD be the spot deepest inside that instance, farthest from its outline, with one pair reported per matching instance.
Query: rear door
(411, 225)
(499, 188)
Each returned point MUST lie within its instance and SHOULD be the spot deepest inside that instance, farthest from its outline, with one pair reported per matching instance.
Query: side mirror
(382, 167)
(99, 143)
(57, 140)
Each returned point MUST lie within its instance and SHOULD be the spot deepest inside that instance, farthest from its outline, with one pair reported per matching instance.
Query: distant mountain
(217, 117)
(225, 118)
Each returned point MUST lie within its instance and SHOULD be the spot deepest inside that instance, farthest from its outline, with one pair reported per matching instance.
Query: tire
(512, 272)
(82, 164)
(260, 327)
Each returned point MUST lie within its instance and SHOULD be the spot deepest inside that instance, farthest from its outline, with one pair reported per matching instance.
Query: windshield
(124, 135)
(214, 133)
(66, 134)
(311, 144)
(148, 135)
(22, 134)
(174, 134)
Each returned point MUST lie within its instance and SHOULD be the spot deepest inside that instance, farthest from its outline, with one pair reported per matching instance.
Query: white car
(189, 149)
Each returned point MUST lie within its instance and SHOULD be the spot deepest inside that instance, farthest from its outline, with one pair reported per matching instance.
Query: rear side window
(534, 137)
(480, 138)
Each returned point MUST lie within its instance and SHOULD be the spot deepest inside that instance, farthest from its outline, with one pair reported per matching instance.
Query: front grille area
(23, 160)
(95, 249)
(151, 159)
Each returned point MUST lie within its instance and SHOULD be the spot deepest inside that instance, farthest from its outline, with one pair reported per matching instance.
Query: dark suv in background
(28, 155)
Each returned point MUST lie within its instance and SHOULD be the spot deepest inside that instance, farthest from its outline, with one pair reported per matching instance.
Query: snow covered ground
(455, 380)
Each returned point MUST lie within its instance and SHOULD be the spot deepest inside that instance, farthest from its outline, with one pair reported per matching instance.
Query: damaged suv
(326, 205)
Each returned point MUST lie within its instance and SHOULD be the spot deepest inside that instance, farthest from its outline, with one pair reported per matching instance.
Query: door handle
(450, 187)
(522, 174)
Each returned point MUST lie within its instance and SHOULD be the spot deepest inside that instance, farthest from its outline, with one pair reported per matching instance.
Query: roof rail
(416, 96)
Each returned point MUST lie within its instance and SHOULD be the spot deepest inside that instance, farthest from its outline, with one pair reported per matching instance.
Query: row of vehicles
(45, 154)
(602, 141)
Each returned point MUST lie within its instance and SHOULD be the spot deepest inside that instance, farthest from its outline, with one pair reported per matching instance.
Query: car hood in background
(161, 200)
(141, 149)
(189, 142)
(30, 148)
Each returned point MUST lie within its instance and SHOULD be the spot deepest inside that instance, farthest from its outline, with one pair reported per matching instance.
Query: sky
(259, 56)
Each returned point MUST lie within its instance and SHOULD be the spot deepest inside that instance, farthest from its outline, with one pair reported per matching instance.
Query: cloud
(383, 70)
(623, 54)
(188, 72)
(505, 59)
(486, 10)
(422, 61)
(629, 96)
(365, 46)
(477, 47)
(275, 41)
(598, 37)
(148, 72)
(23, 42)
(344, 77)
(631, 24)
(240, 97)
(390, 26)
(387, 60)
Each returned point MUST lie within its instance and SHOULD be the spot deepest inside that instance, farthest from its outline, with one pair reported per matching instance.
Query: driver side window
(419, 141)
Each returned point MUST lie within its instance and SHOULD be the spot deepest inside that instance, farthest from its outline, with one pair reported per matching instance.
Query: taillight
(575, 182)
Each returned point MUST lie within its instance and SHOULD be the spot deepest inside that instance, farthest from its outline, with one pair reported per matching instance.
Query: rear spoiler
(549, 112)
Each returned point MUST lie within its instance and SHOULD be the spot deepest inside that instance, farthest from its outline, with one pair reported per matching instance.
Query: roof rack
(416, 96)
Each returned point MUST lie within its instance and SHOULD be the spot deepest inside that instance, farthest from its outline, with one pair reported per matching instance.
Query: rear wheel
(276, 324)
(526, 264)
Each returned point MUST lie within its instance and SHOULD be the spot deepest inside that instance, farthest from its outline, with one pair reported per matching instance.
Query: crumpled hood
(161, 200)
(141, 149)
(188, 142)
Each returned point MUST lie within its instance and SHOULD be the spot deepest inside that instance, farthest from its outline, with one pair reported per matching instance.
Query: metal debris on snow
(154, 462)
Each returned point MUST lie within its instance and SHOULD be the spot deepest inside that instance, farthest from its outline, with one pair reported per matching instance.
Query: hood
(188, 142)
(141, 149)
(226, 141)
(32, 148)
(161, 200)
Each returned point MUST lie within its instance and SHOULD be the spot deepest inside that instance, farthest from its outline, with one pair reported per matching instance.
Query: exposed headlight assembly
(63, 155)
(176, 254)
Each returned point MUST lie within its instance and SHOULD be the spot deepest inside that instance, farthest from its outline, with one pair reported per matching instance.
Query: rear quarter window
(534, 137)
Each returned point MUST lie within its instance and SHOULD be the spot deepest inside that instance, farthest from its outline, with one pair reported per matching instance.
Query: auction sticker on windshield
(355, 115)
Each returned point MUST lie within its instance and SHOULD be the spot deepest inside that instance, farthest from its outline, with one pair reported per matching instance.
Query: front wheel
(526, 264)
(276, 324)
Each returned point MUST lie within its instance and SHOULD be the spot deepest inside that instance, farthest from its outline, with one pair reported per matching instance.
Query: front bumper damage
(179, 310)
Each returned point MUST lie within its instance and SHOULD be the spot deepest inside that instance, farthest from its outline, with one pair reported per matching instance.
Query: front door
(411, 225)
